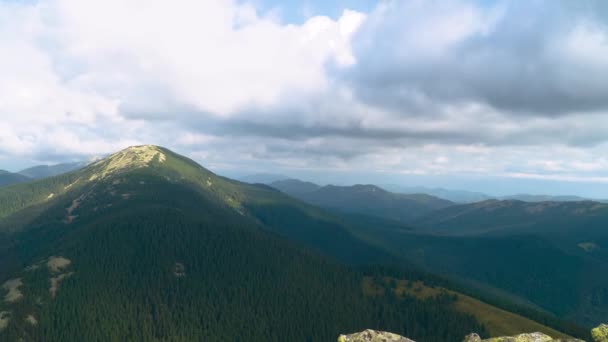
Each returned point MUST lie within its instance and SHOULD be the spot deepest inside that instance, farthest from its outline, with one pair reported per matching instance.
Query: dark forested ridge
(147, 245)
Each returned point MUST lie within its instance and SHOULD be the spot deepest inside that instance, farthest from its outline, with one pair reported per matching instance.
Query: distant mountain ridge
(464, 196)
(9, 178)
(263, 178)
(295, 186)
(43, 171)
(456, 196)
(37, 172)
(453, 195)
(550, 198)
(363, 199)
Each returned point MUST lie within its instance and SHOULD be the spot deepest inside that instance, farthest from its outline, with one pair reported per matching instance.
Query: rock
(472, 338)
(600, 334)
(532, 337)
(373, 336)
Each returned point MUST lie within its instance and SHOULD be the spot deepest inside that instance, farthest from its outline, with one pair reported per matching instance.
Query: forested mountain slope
(148, 245)
(553, 254)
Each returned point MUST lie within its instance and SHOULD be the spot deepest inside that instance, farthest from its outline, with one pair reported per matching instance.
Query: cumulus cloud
(210, 56)
(413, 87)
(533, 57)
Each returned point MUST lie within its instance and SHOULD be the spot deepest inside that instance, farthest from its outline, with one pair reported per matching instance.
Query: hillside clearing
(56, 264)
(498, 322)
(31, 320)
(12, 286)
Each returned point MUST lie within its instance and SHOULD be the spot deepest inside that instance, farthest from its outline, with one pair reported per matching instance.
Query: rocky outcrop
(599, 334)
(373, 336)
(532, 337)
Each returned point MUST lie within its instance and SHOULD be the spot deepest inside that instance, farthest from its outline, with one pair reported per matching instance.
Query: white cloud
(88, 63)
(415, 87)
(212, 56)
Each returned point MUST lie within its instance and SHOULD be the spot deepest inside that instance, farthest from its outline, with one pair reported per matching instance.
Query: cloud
(102, 62)
(413, 87)
(209, 56)
(532, 58)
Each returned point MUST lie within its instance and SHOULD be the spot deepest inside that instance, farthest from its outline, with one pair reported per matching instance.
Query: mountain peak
(130, 158)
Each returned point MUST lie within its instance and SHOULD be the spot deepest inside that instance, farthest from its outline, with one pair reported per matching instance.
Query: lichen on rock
(530, 337)
(600, 334)
(373, 336)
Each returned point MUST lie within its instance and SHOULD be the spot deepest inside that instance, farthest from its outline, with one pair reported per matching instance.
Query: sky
(494, 96)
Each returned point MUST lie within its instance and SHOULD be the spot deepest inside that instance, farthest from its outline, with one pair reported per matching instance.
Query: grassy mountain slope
(364, 199)
(148, 245)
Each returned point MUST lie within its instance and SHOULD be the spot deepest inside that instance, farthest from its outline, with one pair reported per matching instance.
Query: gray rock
(472, 338)
(531, 337)
(373, 336)
(599, 334)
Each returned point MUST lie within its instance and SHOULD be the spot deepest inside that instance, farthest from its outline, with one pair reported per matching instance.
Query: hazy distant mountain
(9, 178)
(43, 171)
(363, 199)
(262, 178)
(457, 196)
(295, 187)
(464, 196)
(548, 198)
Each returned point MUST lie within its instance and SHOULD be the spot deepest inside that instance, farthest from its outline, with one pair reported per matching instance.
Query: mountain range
(551, 254)
(452, 195)
(149, 245)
